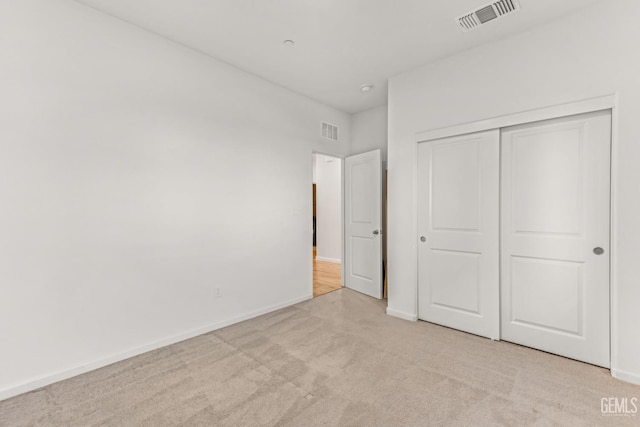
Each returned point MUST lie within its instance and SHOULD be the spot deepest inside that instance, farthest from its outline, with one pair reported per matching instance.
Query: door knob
(598, 251)
(423, 239)
(376, 232)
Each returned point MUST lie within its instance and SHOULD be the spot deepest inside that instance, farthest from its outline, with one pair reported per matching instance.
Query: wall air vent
(487, 13)
(330, 131)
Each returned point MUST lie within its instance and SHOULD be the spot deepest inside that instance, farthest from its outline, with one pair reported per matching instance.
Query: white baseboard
(626, 376)
(402, 315)
(334, 260)
(43, 381)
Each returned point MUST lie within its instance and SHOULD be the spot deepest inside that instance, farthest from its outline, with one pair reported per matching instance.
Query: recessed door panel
(543, 203)
(362, 253)
(547, 294)
(455, 170)
(454, 280)
(362, 194)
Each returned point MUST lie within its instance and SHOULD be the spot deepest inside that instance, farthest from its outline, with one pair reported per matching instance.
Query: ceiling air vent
(330, 131)
(487, 13)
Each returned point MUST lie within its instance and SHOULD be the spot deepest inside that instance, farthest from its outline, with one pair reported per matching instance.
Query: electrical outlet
(217, 292)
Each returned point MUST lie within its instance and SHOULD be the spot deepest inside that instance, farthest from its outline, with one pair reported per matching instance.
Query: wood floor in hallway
(326, 276)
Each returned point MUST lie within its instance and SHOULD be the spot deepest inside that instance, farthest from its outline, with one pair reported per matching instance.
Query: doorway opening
(327, 224)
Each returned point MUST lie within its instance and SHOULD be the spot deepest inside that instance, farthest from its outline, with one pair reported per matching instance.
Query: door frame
(342, 242)
(607, 102)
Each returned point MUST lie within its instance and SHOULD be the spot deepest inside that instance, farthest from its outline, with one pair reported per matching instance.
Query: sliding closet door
(458, 207)
(555, 236)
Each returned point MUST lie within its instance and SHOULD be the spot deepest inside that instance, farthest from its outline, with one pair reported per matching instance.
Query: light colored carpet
(337, 360)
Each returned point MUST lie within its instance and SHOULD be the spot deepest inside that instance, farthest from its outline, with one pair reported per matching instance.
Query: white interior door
(363, 231)
(458, 225)
(555, 236)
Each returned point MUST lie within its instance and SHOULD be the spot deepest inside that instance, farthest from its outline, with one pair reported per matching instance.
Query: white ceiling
(339, 44)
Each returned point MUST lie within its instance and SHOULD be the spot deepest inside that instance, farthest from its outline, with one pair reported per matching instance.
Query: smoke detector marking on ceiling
(330, 131)
(487, 13)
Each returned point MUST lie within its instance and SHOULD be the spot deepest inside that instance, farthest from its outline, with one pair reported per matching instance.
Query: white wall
(137, 176)
(589, 54)
(328, 208)
(369, 131)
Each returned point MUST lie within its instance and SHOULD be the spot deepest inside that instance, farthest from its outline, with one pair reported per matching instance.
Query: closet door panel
(555, 236)
(458, 212)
